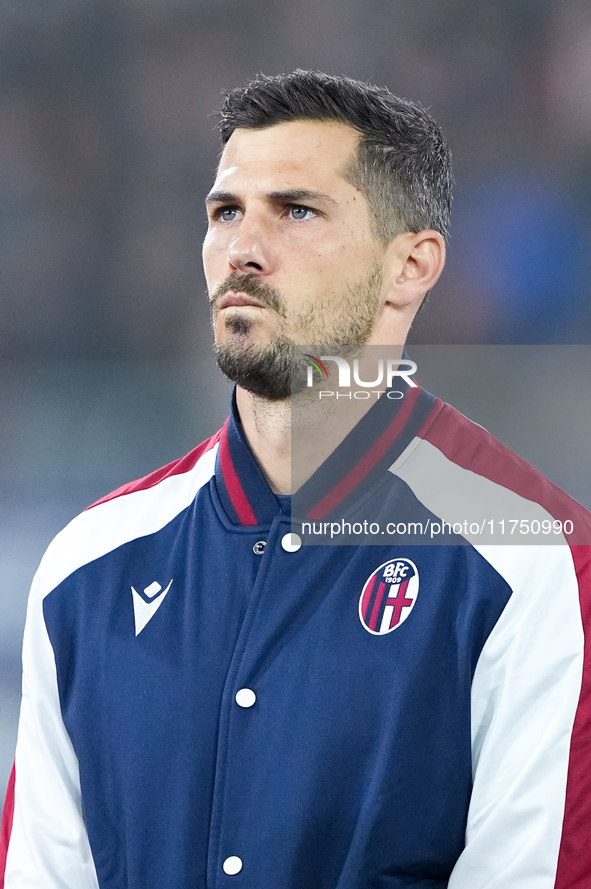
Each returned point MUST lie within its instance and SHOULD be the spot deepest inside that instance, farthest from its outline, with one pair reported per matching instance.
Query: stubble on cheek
(345, 318)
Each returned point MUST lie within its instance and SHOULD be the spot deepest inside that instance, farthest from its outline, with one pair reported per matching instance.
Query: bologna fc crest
(389, 596)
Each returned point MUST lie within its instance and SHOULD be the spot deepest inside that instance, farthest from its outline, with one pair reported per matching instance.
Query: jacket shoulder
(466, 476)
(135, 510)
(176, 467)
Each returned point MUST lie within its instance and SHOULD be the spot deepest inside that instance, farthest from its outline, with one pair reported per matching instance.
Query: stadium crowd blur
(107, 147)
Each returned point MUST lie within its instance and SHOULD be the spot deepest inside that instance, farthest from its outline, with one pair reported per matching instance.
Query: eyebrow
(221, 197)
(301, 194)
(293, 194)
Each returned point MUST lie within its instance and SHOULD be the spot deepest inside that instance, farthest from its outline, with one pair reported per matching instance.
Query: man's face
(289, 256)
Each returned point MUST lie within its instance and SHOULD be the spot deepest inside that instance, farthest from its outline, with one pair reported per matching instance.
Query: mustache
(250, 285)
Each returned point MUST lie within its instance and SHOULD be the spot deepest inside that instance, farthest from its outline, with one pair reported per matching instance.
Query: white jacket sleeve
(47, 847)
(525, 699)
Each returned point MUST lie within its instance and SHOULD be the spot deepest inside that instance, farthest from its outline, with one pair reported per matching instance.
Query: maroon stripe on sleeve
(470, 446)
(6, 826)
(574, 860)
(460, 440)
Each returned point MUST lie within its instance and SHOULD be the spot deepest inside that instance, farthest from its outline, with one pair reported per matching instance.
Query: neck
(318, 429)
(267, 427)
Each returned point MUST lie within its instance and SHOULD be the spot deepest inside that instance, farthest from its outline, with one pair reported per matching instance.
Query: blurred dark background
(107, 146)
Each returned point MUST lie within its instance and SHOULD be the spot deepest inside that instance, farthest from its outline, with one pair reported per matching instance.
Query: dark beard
(263, 372)
(278, 371)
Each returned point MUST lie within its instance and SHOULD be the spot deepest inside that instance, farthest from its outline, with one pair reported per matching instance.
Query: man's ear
(412, 264)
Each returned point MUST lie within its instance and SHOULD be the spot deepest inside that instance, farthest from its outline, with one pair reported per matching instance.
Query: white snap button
(232, 865)
(245, 697)
(291, 542)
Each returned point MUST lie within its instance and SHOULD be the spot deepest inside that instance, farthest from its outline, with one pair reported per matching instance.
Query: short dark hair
(403, 164)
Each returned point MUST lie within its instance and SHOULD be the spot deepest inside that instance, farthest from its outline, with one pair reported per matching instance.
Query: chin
(262, 370)
(241, 328)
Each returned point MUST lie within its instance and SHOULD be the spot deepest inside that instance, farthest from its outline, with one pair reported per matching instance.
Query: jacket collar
(357, 464)
(243, 489)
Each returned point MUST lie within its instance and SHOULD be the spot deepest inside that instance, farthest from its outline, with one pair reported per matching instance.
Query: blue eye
(298, 211)
(227, 214)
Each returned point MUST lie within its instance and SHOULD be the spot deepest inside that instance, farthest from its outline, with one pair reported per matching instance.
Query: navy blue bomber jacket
(208, 704)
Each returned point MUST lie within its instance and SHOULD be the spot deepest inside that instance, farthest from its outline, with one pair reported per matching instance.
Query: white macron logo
(143, 611)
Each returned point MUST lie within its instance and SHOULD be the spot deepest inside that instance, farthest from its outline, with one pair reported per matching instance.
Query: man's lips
(239, 299)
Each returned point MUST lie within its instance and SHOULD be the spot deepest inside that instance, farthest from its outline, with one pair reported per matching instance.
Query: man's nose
(251, 251)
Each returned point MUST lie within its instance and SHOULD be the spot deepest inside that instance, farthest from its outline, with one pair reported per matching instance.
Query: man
(206, 702)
